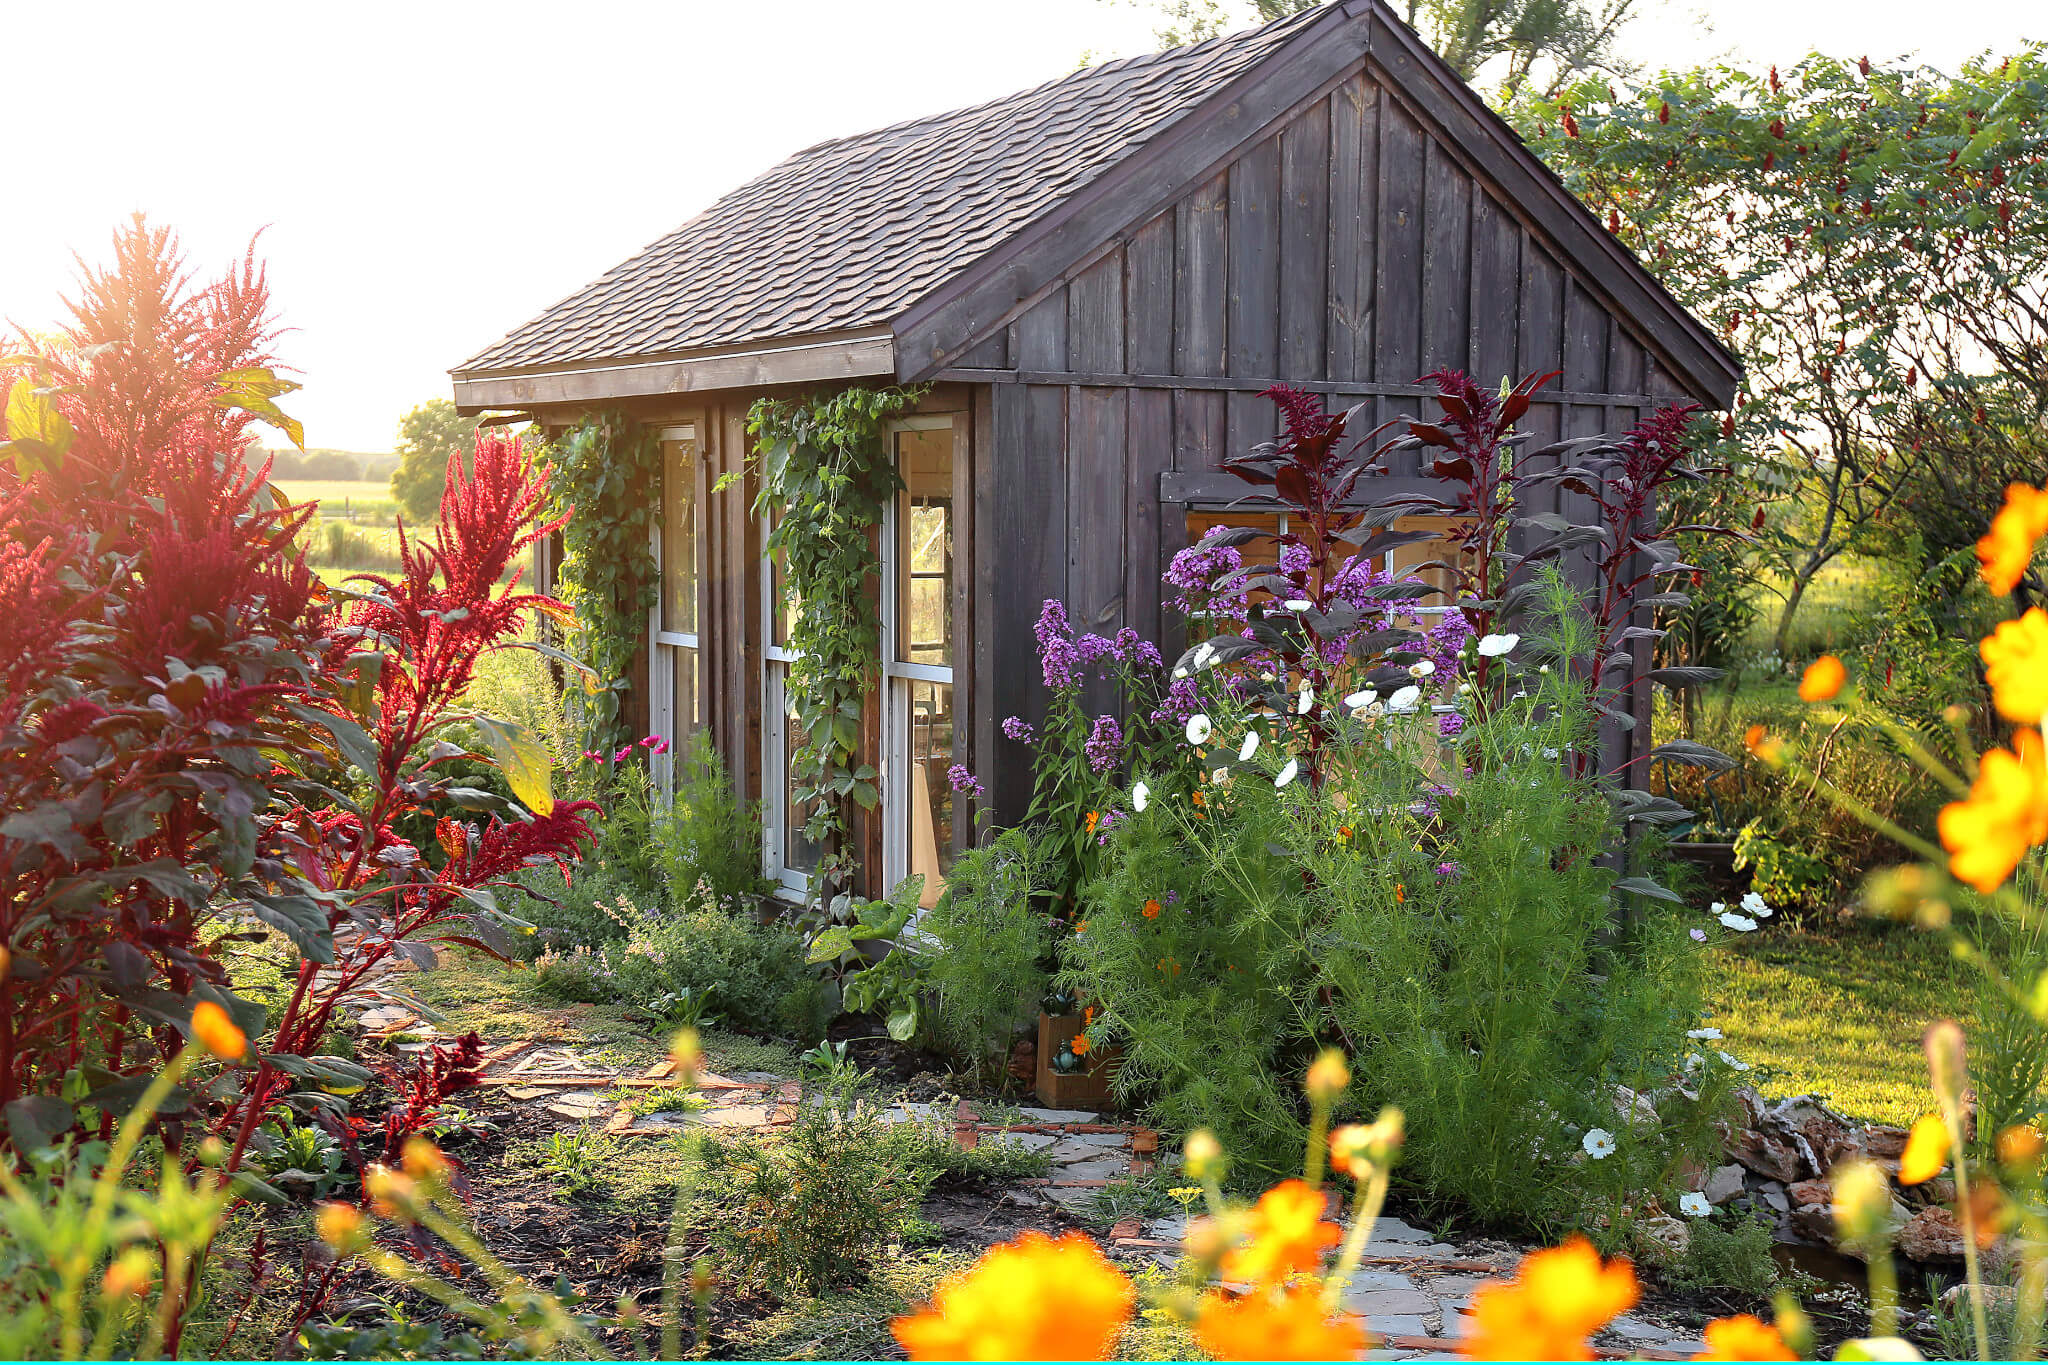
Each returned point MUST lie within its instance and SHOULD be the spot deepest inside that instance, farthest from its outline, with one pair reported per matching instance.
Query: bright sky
(431, 173)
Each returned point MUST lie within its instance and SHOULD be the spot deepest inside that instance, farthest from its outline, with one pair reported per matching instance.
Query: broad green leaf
(831, 943)
(903, 1024)
(524, 760)
(36, 432)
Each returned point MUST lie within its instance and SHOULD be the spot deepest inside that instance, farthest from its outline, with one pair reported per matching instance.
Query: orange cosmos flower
(217, 1033)
(1288, 1325)
(2016, 665)
(2005, 814)
(1287, 1235)
(1558, 1298)
(1400, 894)
(2008, 547)
(1031, 1299)
(1764, 747)
(1152, 909)
(1744, 1337)
(1093, 816)
(1823, 679)
(1926, 1151)
(2021, 1146)
(1080, 1045)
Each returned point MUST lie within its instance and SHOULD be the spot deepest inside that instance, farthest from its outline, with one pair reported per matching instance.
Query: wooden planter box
(1084, 1089)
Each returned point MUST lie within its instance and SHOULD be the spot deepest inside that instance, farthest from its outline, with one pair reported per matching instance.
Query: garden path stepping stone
(578, 1104)
(1394, 1230)
(1397, 1324)
(1030, 1142)
(1635, 1329)
(1060, 1115)
(1375, 1302)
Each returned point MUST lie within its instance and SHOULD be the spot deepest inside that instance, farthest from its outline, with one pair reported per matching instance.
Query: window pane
(930, 798)
(924, 547)
(679, 537)
(799, 854)
(688, 716)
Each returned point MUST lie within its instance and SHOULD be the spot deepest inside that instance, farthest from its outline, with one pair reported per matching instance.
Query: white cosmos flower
(1493, 646)
(1358, 701)
(1141, 795)
(1704, 1034)
(1249, 747)
(1755, 905)
(1220, 776)
(1306, 702)
(1741, 924)
(1198, 728)
(1598, 1142)
(1404, 699)
(1179, 673)
(1717, 907)
(1287, 773)
(1695, 1205)
(1204, 653)
(1739, 1066)
(1296, 604)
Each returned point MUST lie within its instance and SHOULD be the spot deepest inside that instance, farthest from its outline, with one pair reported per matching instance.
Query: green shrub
(1467, 952)
(751, 975)
(708, 837)
(993, 938)
(810, 1209)
(1733, 1257)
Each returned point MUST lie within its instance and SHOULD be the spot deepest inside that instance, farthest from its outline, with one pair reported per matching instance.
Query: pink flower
(592, 756)
(654, 744)
(622, 755)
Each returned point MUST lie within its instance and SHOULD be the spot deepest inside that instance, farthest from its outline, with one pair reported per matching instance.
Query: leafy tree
(1539, 43)
(428, 437)
(1872, 241)
(334, 464)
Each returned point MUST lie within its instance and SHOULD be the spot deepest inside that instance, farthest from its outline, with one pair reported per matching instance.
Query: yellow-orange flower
(2005, 814)
(339, 1225)
(1763, 746)
(1080, 1045)
(2016, 665)
(217, 1033)
(1287, 1235)
(1031, 1299)
(2021, 1146)
(1558, 1299)
(1926, 1151)
(1823, 679)
(1744, 1337)
(1152, 909)
(2008, 547)
(1287, 1325)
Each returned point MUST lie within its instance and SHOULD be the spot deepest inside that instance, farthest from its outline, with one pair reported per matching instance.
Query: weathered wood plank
(987, 751)
(1028, 563)
(1096, 482)
(1224, 383)
(1201, 225)
(1200, 431)
(1398, 312)
(1354, 162)
(821, 362)
(1542, 332)
(1304, 243)
(1149, 453)
(1446, 262)
(1038, 338)
(1253, 313)
(1585, 340)
(992, 354)
(1627, 361)
(1496, 291)
(1095, 315)
(1148, 297)
(1251, 418)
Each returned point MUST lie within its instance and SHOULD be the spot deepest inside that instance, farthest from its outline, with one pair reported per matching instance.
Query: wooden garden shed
(1097, 277)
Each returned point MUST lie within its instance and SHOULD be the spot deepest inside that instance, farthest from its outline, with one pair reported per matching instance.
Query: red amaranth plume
(1307, 421)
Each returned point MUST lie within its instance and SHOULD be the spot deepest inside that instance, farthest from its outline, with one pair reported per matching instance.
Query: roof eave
(794, 360)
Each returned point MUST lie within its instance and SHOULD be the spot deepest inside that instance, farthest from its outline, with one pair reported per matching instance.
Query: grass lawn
(363, 495)
(1840, 1012)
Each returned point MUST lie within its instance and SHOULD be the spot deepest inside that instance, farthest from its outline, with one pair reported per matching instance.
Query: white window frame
(791, 883)
(896, 727)
(661, 644)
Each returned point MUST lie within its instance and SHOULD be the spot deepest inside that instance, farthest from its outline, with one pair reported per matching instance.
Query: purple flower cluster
(965, 781)
(1019, 729)
(1065, 659)
(1102, 827)
(1181, 701)
(1450, 725)
(1105, 744)
(1193, 572)
(1295, 561)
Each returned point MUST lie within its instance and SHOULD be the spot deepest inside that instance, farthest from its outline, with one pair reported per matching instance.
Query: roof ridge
(1182, 52)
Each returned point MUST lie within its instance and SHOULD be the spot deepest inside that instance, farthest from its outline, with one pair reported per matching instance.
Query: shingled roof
(847, 234)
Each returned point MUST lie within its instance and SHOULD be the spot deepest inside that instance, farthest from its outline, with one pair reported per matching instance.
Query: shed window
(918, 637)
(675, 663)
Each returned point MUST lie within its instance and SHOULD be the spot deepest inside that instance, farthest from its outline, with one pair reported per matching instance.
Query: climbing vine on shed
(825, 472)
(605, 474)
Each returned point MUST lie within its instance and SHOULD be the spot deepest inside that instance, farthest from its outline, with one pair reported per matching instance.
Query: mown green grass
(1840, 1012)
(366, 497)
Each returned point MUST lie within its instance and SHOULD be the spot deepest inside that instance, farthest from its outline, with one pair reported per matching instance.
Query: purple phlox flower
(1171, 897)
(1102, 827)
(965, 781)
(1019, 729)
(1105, 743)
(1450, 725)
(1091, 650)
(1180, 702)
(1057, 659)
(1449, 872)
(1134, 648)
(1193, 573)
(1295, 559)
